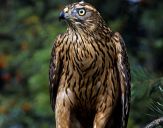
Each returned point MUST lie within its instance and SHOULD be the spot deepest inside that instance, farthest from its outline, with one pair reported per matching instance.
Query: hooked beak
(62, 16)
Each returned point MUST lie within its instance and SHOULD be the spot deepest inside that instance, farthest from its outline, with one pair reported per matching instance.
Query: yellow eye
(81, 12)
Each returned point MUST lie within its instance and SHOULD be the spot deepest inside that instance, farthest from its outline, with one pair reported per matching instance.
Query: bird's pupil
(81, 11)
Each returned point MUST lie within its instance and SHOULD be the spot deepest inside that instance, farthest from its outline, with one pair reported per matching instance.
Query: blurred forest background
(27, 31)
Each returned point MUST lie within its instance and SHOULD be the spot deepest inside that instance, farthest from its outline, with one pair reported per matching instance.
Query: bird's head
(81, 15)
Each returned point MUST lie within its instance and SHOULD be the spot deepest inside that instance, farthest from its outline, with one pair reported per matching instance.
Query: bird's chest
(84, 58)
(83, 69)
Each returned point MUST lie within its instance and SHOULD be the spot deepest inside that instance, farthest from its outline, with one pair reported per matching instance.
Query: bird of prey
(89, 72)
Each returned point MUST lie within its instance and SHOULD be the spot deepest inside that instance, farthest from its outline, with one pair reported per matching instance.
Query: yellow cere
(66, 10)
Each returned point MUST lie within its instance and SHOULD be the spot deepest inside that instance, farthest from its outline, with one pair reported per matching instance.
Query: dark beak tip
(61, 16)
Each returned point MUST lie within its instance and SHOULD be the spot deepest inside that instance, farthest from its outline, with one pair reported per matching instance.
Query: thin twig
(155, 123)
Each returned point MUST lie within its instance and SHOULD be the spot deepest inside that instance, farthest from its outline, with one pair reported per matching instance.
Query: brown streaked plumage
(89, 72)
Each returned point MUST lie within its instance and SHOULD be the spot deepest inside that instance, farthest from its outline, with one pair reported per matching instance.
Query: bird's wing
(55, 70)
(124, 75)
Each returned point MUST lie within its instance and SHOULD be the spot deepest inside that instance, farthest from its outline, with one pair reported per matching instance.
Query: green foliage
(25, 101)
(146, 96)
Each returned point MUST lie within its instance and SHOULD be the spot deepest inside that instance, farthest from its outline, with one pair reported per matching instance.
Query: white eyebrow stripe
(79, 6)
(82, 2)
(86, 6)
(90, 8)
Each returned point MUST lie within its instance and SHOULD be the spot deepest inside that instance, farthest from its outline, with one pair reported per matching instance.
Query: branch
(155, 123)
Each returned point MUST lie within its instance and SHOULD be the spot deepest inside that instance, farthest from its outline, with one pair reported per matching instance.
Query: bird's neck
(99, 32)
(79, 36)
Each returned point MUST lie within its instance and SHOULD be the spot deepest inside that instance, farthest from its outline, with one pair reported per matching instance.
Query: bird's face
(81, 15)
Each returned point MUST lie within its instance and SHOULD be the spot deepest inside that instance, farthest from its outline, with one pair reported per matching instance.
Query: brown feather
(89, 73)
